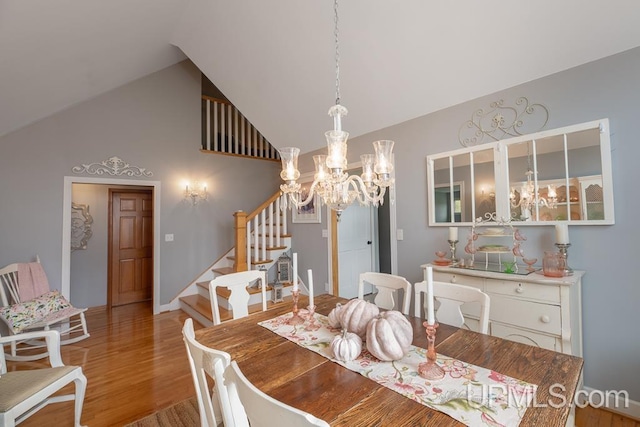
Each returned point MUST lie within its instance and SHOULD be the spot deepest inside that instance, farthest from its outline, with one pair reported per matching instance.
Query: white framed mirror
(547, 177)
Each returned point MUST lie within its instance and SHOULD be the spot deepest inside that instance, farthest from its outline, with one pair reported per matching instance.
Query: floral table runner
(470, 394)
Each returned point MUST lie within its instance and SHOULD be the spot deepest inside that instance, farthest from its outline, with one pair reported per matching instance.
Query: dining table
(318, 385)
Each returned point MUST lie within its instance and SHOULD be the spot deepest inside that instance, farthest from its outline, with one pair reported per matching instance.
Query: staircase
(260, 239)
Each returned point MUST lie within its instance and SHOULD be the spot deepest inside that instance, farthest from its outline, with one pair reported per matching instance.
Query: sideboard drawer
(526, 314)
(524, 337)
(547, 293)
(476, 282)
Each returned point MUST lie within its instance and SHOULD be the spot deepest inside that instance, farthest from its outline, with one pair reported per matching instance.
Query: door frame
(66, 229)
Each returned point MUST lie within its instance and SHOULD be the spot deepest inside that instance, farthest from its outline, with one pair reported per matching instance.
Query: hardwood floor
(136, 364)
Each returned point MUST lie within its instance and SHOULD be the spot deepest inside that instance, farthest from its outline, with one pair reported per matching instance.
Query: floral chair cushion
(20, 316)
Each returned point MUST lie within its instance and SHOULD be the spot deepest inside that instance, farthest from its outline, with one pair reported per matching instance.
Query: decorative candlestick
(295, 319)
(452, 245)
(430, 370)
(562, 248)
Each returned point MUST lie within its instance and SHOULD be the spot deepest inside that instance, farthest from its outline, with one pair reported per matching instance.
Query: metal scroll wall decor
(81, 221)
(114, 166)
(502, 121)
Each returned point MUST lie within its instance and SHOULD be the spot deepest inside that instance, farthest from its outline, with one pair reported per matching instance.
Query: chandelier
(335, 187)
(529, 197)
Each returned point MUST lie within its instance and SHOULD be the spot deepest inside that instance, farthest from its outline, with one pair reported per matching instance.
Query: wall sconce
(195, 192)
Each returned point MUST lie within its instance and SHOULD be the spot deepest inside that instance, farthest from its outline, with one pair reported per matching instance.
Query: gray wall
(153, 123)
(607, 88)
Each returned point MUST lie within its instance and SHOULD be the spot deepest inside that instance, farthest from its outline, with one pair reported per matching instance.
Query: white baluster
(248, 245)
(256, 236)
(263, 218)
(284, 218)
(208, 124)
(271, 219)
(278, 222)
(229, 130)
(223, 131)
(216, 129)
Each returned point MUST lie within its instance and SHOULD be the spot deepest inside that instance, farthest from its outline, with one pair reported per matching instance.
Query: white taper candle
(562, 233)
(431, 318)
(453, 233)
(310, 278)
(295, 271)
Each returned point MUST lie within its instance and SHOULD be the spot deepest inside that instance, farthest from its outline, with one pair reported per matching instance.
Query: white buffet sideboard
(531, 309)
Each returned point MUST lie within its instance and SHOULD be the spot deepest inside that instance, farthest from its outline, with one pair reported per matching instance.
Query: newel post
(240, 263)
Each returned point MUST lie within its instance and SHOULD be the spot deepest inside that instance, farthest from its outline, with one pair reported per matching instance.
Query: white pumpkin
(389, 336)
(346, 346)
(334, 316)
(355, 315)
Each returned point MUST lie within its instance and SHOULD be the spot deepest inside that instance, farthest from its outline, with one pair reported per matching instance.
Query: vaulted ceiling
(275, 59)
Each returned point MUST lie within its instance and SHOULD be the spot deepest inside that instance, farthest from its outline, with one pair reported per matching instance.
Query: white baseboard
(631, 410)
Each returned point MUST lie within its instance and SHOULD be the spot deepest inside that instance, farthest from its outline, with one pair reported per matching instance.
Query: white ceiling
(275, 59)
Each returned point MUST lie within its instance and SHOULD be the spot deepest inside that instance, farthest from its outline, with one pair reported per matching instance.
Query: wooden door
(130, 246)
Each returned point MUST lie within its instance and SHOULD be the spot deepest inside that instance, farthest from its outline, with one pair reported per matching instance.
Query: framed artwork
(310, 213)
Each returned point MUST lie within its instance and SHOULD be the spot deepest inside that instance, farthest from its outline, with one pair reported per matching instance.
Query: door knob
(369, 242)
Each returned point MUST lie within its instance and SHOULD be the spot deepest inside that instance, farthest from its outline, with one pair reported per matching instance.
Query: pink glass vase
(553, 264)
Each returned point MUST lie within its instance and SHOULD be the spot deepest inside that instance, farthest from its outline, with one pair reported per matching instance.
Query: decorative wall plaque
(112, 166)
(502, 121)
(81, 222)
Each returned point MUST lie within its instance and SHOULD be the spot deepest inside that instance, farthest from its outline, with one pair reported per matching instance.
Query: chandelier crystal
(335, 187)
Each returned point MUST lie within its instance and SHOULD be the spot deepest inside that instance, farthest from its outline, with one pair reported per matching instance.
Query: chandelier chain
(337, 57)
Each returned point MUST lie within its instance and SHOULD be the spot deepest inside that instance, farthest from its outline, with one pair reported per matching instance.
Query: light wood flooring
(136, 364)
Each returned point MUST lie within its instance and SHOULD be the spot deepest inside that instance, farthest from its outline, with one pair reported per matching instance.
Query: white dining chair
(215, 406)
(24, 392)
(451, 297)
(238, 300)
(386, 285)
(262, 409)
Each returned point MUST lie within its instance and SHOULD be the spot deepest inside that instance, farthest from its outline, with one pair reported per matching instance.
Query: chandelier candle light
(336, 188)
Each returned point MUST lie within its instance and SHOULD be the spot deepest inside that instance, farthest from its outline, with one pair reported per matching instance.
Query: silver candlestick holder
(452, 246)
(562, 248)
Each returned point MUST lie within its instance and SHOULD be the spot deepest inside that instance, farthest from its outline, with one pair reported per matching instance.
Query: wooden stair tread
(203, 306)
(223, 270)
(253, 262)
(272, 248)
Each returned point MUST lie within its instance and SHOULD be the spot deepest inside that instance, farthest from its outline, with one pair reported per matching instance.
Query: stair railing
(228, 131)
(264, 227)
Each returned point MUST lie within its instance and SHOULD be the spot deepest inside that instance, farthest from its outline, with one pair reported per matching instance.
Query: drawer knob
(454, 279)
(545, 319)
(519, 289)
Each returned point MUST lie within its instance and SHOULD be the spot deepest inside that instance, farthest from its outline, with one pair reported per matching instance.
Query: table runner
(473, 395)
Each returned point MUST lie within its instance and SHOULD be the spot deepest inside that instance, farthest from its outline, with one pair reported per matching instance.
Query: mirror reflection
(547, 177)
(550, 176)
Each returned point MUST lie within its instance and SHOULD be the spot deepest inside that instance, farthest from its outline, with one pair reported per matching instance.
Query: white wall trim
(632, 411)
(66, 229)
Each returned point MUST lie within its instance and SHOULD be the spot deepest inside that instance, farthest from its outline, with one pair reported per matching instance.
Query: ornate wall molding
(502, 121)
(112, 166)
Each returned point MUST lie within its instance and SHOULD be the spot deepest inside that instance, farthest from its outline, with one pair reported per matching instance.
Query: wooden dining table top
(308, 381)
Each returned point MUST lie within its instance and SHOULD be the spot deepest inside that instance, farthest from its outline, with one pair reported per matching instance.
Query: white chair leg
(81, 387)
